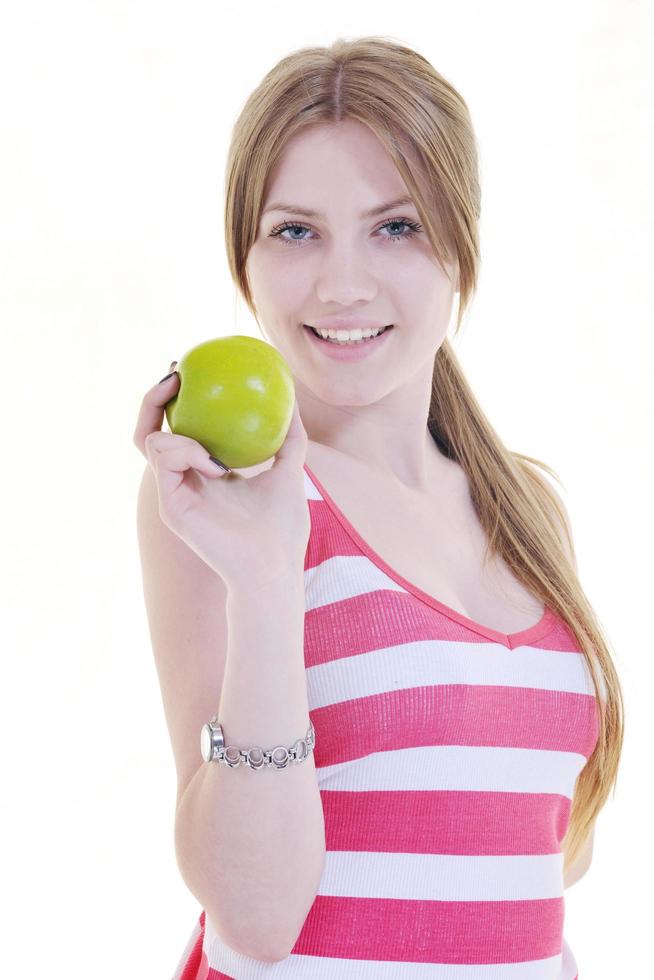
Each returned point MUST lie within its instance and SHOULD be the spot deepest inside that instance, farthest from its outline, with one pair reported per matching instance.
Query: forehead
(337, 162)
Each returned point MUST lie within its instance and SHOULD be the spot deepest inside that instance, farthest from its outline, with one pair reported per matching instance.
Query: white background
(115, 119)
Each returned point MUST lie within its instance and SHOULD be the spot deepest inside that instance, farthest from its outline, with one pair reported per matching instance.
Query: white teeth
(349, 336)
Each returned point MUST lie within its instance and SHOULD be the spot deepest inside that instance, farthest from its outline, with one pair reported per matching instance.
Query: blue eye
(412, 226)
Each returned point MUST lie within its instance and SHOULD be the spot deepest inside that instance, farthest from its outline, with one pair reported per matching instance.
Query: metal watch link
(213, 749)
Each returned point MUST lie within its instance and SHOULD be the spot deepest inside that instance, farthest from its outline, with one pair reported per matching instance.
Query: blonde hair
(410, 107)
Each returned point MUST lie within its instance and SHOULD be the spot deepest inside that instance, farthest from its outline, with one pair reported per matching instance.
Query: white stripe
(344, 577)
(420, 663)
(310, 489)
(494, 769)
(442, 877)
(296, 967)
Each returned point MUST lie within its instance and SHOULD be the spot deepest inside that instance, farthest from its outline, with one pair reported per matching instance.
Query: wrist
(268, 584)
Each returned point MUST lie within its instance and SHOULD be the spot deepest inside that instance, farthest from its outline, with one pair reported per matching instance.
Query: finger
(294, 448)
(152, 411)
(158, 442)
(170, 466)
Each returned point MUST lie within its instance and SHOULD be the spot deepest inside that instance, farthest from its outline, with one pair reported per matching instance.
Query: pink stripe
(445, 822)
(455, 714)
(383, 617)
(440, 932)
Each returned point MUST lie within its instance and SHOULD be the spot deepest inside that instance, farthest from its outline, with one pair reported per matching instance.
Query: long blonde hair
(409, 106)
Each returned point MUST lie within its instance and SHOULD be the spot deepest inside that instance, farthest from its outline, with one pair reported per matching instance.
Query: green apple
(235, 397)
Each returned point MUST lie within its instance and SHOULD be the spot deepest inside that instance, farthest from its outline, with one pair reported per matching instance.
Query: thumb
(293, 450)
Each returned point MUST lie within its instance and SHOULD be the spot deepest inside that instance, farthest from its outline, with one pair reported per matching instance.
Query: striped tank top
(446, 755)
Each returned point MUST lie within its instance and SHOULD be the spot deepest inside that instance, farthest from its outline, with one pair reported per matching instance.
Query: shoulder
(565, 527)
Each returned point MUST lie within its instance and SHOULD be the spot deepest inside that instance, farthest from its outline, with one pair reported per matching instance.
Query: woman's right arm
(250, 845)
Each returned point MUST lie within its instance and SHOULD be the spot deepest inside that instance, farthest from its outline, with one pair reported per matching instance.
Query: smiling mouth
(346, 343)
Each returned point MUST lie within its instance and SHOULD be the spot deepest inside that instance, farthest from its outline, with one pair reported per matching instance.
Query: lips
(355, 351)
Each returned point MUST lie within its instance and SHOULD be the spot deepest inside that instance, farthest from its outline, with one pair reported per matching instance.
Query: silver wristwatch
(212, 746)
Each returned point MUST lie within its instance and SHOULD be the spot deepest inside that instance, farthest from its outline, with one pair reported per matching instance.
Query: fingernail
(218, 463)
(173, 365)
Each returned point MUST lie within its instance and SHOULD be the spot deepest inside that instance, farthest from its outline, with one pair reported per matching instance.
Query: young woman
(395, 594)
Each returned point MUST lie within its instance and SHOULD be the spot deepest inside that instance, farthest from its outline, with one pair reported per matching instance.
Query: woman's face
(341, 262)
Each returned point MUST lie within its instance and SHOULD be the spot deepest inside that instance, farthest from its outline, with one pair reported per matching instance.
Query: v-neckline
(511, 640)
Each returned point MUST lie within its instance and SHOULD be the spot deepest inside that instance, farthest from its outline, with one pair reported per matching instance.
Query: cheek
(414, 291)
(283, 274)
(406, 263)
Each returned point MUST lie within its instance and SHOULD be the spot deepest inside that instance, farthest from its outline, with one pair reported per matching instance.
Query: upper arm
(186, 608)
(582, 864)
(584, 858)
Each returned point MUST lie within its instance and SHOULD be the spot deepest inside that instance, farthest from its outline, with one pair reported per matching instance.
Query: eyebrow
(309, 213)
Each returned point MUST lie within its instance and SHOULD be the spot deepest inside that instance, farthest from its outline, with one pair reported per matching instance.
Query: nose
(345, 276)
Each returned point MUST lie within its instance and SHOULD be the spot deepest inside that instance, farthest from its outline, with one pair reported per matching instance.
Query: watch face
(205, 743)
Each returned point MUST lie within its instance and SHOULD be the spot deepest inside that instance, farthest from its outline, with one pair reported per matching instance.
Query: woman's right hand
(250, 530)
